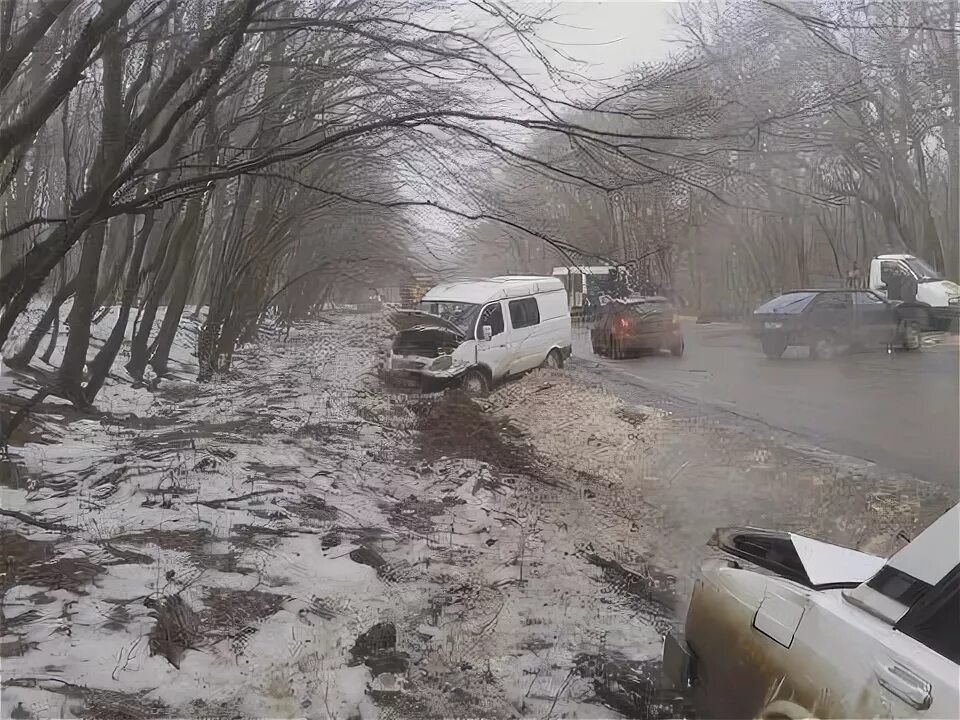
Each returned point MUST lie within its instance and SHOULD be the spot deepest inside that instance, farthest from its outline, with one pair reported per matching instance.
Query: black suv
(828, 321)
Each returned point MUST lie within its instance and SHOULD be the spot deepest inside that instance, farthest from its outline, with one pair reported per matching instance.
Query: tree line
(811, 137)
(246, 156)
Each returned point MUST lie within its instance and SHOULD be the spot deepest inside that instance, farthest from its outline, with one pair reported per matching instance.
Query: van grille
(415, 344)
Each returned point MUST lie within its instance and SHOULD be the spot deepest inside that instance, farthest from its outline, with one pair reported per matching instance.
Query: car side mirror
(487, 332)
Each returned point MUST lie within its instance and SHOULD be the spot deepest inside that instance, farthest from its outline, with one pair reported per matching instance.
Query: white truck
(585, 285)
(911, 280)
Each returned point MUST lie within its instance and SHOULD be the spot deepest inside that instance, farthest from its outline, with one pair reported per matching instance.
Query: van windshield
(463, 315)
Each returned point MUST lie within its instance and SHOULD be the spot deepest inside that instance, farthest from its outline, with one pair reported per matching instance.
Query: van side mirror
(487, 332)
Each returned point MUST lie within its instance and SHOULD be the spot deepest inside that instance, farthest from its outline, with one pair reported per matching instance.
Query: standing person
(855, 277)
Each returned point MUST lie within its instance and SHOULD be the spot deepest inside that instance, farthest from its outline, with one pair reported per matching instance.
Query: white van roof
(591, 270)
(495, 288)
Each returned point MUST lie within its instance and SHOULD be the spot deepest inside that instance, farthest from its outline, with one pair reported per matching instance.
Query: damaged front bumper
(678, 672)
(678, 675)
(424, 374)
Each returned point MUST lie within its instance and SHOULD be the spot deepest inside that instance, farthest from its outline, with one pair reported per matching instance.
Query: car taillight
(624, 323)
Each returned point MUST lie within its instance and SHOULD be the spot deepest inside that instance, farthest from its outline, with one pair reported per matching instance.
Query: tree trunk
(160, 350)
(101, 364)
(139, 353)
(951, 137)
(81, 315)
(51, 315)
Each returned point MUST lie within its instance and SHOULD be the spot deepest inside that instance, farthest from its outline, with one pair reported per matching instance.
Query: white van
(476, 333)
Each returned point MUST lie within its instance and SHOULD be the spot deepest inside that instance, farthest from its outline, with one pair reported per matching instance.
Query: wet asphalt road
(901, 411)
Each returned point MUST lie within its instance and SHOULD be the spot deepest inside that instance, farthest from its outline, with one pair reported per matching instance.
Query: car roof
(495, 288)
(584, 270)
(640, 299)
(825, 290)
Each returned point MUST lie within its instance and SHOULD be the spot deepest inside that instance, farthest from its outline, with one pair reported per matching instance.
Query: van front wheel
(475, 383)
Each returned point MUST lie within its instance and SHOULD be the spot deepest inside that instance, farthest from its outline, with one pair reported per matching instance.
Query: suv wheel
(910, 335)
(824, 347)
(773, 347)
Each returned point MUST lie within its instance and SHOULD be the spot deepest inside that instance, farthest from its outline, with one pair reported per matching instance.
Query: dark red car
(636, 324)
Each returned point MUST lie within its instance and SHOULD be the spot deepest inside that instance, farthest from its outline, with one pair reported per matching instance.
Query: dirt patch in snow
(92, 703)
(189, 541)
(228, 612)
(37, 563)
(456, 426)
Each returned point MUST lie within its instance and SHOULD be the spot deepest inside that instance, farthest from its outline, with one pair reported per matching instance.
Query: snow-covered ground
(293, 541)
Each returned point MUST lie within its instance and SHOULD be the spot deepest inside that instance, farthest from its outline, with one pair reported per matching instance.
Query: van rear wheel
(553, 361)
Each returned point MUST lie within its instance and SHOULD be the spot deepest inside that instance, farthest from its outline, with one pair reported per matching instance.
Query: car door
(921, 664)
(876, 319)
(831, 313)
(496, 352)
(524, 321)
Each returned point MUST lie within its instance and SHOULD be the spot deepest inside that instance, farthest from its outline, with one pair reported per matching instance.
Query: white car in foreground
(821, 631)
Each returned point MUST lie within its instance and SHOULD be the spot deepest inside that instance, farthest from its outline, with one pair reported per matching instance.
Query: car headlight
(954, 300)
(442, 362)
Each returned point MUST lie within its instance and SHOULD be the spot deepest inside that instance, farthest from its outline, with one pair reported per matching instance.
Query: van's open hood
(810, 562)
(409, 319)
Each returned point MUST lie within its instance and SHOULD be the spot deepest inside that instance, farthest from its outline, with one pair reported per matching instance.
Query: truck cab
(910, 279)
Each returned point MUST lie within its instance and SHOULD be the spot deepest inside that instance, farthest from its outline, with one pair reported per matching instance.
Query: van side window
(492, 315)
(935, 619)
(524, 313)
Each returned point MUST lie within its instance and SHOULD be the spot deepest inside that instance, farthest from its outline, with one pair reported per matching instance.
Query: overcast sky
(615, 35)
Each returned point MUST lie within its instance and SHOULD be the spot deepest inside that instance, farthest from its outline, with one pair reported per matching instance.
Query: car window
(491, 315)
(789, 303)
(935, 619)
(833, 301)
(524, 313)
(867, 298)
